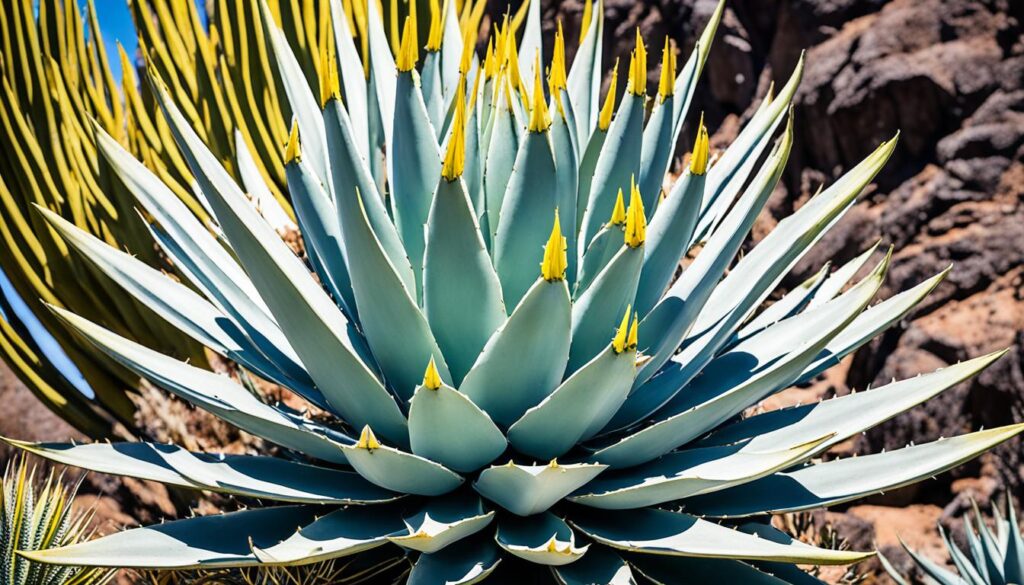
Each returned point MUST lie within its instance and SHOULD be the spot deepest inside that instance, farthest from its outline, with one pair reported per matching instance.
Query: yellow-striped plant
(501, 373)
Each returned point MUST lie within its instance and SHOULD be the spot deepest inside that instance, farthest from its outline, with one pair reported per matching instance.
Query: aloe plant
(36, 515)
(996, 553)
(498, 365)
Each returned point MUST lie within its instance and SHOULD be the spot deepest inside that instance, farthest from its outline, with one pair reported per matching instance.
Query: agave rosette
(490, 324)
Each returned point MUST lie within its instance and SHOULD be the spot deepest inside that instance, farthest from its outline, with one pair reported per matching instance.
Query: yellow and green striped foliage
(500, 365)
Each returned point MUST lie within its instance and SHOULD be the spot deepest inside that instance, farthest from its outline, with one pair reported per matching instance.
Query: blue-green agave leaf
(382, 66)
(445, 426)
(344, 532)
(256, 187)
(617, 164)
(350, 69)
(531, 489)
(662, 532)
(658, 147)
(399, 471)
(790, 304)
(941, 575)
(321, 232)
(688, 473)
(838, 481)
(463, 563)
(222, 540)
(1013, 567)
(451, 50)
(598, 309)
(578, 408)
(838, 279)
(599, 565)
(242, 475)
(461, 291)
(320, 333)
(351, 180)
(304, 105)
(531, 49)
(537, 333)
(588, 162)
(584, 80)
(667, 237)
(727, 389)
(212, 392)
(433, 92)
(566, 174)
(527, 209)
(501, 143)
(544, 540)
(442, 522)
(666, 570)
(414, 167)
(605, 245)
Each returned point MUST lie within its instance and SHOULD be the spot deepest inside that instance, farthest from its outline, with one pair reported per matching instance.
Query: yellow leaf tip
(408, 52)
(555, 259)
(604, 120)
(701, 150)
(367, 440)
(540, 119)
(436, 34)
(667, 83)
(619, 211)
(638, 68)
(455, 155)
(626, 335)
(292, 152)
(431, 379)
(636, 219)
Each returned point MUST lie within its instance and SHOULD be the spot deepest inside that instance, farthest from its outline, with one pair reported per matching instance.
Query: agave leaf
(978, 555)
(451, 50)
(211, 267)
(665, 570)
(726, 390)
(584, 80)
(544, 539)
(838, 279)
(463, 563)
(445, 426)
(596, 311)
(891, 570)
(868, 324)
(671, 318)
(400, 471)
(605, 245)
(960, 561)
(688, 473)
(566, 173)
(578, 408)
(834, 482)
(473, 172)
(344, 532)
(588, 162)
(318, 221)
(243, 475)
(667, 236)
(600, 565)
(432, 92)
(530, 489)
(303, 104)
(256, 187)
(617, 163)
(382, 64)
(526, 212)
(223, 540)
(461, 291)
(179, 305)
(790, 304)
(672, 533)
(414, 167)
(350, 68)
(934, 570)
(537, 333)
(992, 559)
(212, 392)
(501, 142)
(1013, 566)
(395, 327)
(350, 180)
(728, 175)
(847, 415)
(316, 327)
(443, 522)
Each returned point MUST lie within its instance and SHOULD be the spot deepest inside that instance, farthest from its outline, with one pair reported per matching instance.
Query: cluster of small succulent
(996, 553)
(35, 516)
(469, 407)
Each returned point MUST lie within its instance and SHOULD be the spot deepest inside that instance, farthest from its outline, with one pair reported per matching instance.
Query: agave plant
(35, 516)
(498, 365)
(996, 556)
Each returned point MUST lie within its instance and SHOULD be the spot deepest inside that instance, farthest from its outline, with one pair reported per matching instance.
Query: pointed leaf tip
(604, 120)
(636, 220)
(619, 211)
(620, 342)
(431, 379)
(701, 149)
(291, 150)
(667, 82)
(540, 119)
(555, 260)
(436, 34)
(330, 86)
(557, 77)
(367, 440)
(408, 51)
(638, 67)
(455, 156)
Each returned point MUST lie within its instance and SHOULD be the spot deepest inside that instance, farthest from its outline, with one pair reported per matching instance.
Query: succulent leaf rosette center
(504, 365)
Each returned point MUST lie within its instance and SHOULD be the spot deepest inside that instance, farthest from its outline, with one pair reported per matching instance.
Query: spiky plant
(540, 435)
(36, 515)
(996, 553)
